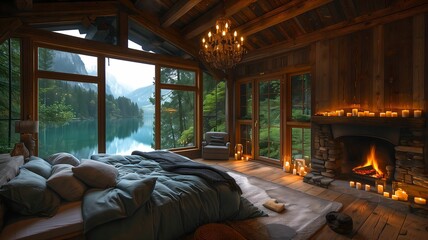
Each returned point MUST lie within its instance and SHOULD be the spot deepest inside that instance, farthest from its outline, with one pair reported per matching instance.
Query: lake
(80, 137)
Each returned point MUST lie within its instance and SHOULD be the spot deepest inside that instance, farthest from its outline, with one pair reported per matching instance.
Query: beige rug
(304, 214)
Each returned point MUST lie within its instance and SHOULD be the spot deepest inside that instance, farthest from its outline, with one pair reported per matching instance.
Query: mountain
(142, 97)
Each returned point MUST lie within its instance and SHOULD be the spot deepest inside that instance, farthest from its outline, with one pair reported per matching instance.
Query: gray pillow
(39, 166)
(63, 182)
(63, 158)
(96, 174)
(28, 194)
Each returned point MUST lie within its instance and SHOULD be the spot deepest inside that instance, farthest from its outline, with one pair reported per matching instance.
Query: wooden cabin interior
(310, 92)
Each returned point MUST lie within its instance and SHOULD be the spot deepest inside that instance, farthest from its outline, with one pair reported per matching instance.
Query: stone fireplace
(342, 146)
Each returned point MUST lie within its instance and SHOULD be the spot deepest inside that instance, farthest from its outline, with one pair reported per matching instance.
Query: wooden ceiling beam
(402, 9)
(177, 11)
(7, 27)
(285, 12)
(207, 20)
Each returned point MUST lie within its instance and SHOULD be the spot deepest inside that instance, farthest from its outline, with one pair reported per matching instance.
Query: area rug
(304, 214)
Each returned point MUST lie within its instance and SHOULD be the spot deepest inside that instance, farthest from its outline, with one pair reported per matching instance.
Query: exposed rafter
(177, 11)
(207, 20)
(7, 27)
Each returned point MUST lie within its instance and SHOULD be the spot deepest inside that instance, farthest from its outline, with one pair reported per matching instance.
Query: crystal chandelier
(222, 50)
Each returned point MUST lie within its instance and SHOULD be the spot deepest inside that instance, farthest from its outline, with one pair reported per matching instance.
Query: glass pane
(177, 76)
(67, 62)
(269, 119)
(177, 119)
(10, 92)
(101, 29)
(245, 131)
(68, 118)
(301, 144)
(246, 101)
(214, 106)
(301, 97)
(129, 106)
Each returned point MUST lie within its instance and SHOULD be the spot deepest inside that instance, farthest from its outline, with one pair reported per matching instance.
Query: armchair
(216, 145)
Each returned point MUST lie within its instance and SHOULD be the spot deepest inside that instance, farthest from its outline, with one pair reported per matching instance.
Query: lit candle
(247, 158)
(302, 171)
(394, 197)
(382, 114)
(371, 114)
(367, 188)
(394, 114)
(341, 113)
(380, 189)
(417, 113)
(388, 114)
(352, 184)
(287, 167)
(386, 194)
(294, 171)
(236, 156)
(420, 200)
(366, 113)
(360, 114)
(359, 186)
(405, 113)
(354, 112)
(402, 195)
(349, 114)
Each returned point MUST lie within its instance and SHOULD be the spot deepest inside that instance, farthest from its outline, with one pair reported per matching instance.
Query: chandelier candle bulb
(380, 189)
(367, 188)
(417, 113)
(352, 184)
(359, 187)
(420, 200)
(405, 113)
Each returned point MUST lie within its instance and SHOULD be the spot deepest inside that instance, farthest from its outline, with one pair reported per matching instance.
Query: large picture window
(214, 104)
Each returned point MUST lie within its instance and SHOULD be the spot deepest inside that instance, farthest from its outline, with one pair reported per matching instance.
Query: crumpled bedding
(151, 203)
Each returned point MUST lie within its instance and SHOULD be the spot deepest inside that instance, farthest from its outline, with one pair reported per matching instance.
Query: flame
(371, 161)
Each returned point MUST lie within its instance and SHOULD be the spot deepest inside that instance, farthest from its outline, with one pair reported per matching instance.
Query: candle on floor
(358, 185)
(352, 184)
(388, 114)
(386, 194)
(420, 200)
(382, 114)
(236, 156)
(417, 113)
(354, 112)
(379, 189)
(405, 113)
(294, 171)
(287, 167)
(394, 197)
(367, 188)
(402, 195)
(394, 114)
(302, 171)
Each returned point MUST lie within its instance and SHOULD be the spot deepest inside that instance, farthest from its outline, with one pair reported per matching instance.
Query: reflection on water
(80, 138)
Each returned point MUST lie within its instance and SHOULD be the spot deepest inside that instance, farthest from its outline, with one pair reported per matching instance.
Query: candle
(349, 114)
(366, 113)
(394, 114)
(294, 171)
(388, 114)
(341, 113)
(352, 184)
(420, 200)
(354, 112)
(367, 188)
(394, 197)
(236, 156)
(380, 189)
(247, 158)
(386, 194)
(358, 185)
(405, 113)
(287, 167)
(417, 113)
(371, 114)
(302, 171)
(360, 114)
(402, 195)
(382, 114)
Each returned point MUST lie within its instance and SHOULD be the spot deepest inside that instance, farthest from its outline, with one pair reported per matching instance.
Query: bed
(146, 195)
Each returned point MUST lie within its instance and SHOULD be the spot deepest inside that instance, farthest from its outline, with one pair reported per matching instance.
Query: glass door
(268, 119)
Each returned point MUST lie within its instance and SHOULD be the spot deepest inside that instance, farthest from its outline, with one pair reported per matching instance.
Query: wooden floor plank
(414, 227)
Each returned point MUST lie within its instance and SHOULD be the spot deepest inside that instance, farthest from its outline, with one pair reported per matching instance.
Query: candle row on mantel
(405, 113)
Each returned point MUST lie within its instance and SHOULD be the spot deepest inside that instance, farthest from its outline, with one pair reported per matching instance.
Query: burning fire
(370, 167)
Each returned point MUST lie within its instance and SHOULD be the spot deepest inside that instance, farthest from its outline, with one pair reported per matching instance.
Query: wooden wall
(377, 69)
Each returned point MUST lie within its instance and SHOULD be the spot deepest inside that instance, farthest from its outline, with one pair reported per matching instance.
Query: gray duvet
(152, 203)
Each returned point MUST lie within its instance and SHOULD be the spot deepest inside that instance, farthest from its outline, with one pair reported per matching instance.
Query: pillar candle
(366, 113)
(386, 194)
(349, 114)
(417, 113)
(236, 156)
(388, 114)
(367, 188)
(352, 184)
(382, 114)
(420, 200)
(354, 112)
(302, 171)
(287, 167)
(358, 185)
(405, 113)
(371, 114)
(380, 189)
(394, 114)
(360, 114)
(394, 197)
(294, 171)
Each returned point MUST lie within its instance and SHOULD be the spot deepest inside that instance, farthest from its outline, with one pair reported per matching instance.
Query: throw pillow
(63, 182)
(39, 166)
(28, 194)
(63, 158)
(96, 174)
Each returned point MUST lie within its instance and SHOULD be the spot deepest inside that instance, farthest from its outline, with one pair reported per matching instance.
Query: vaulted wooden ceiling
(269, 26)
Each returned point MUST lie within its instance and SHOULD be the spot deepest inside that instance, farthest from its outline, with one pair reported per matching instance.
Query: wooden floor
(371, 220)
